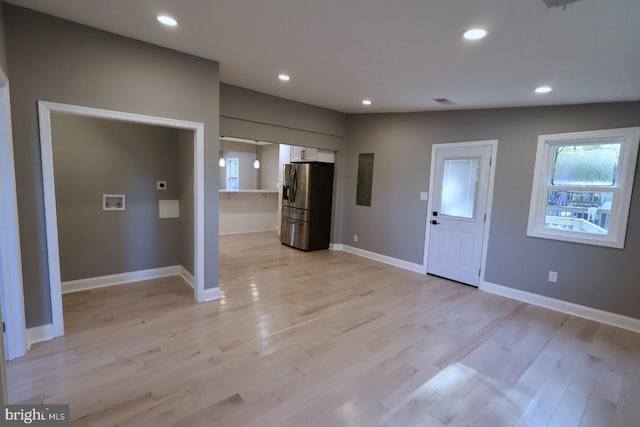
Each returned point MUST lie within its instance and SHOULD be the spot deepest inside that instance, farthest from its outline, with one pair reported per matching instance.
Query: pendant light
(256, 164)
(222, 162)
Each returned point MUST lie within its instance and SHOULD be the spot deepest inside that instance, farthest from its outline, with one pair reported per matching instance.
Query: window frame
(622, 189)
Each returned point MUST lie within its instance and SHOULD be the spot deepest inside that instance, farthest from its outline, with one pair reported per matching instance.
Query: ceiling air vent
(444, 101)
(558, 3)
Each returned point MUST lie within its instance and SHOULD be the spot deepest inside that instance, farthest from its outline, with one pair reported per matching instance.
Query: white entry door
(456, 222)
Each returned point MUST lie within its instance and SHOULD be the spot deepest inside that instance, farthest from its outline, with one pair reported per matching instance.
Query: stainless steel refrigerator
(306, 205)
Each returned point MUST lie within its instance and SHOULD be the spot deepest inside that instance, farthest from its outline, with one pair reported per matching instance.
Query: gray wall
(55, 60)
(274, 119)
(96, 156)
(186, 192)
(3, 50)
(268, 173)
(598, 277)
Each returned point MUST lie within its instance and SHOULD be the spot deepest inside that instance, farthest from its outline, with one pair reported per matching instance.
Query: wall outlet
(424, 195)
(355, 237)
(161, 185)
(553, 276)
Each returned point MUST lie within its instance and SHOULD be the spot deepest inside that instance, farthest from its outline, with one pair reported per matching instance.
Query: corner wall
(59, 61)
(598, 277)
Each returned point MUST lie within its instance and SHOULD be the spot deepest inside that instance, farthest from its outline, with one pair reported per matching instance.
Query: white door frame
(10, 256)
(493, 143)
(44, 110)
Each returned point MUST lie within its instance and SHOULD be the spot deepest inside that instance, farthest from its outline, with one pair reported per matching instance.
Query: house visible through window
(582, 186)
(233, 174)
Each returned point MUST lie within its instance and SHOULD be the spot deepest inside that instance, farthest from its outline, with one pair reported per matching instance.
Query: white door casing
(458, 214)
(10, 257)
(44, 113)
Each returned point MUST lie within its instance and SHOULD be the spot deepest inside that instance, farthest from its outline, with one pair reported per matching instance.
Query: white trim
(212, 294)
(122, 278)
(11, 292)
(186, 276)
(39, 334)
(590, 313)
(199, 230)
(335, 246)
(406, 265)
(623, 188)
(44, 111)
(493, 143)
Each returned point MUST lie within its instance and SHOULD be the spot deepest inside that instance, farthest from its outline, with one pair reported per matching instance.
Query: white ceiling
(400, 53)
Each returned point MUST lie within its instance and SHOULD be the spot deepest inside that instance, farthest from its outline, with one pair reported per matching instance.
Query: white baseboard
(119, 279)
(188, 277)
(601, 316)
(335, 246)
(418, 268)
(39, 334)
(211, 294)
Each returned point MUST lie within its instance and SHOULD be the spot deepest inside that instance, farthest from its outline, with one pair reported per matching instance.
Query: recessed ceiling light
(366, 102)
(284, 77)
(543, 89)
(475, 34)
(167, 20)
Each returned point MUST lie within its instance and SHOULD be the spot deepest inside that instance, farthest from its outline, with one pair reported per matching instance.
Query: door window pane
(459, 182)
(592, 164)
(579, 211)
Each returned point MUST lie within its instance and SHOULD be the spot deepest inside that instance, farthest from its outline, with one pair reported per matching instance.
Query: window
(233, 174)
(459, 184)
(582, 186)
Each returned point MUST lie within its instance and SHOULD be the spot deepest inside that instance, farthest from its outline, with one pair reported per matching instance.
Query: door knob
(434, 222)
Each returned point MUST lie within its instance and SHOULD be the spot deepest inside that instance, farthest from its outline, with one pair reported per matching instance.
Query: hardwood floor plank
(326, 338)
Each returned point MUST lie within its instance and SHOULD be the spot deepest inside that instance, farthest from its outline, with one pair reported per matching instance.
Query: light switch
(424, 195)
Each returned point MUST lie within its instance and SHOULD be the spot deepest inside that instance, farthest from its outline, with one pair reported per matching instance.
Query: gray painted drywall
(245, 104)
(186, 192)
(3, 49)
(95, 156)
(268, 173)
(56, 60)
(249, 114)
(593, 276)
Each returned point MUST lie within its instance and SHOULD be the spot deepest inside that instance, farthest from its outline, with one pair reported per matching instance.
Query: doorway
(459, 211)
(15, 344)
(46, 109)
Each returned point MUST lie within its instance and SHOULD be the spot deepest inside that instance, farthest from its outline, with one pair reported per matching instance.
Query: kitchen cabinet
(310, 154)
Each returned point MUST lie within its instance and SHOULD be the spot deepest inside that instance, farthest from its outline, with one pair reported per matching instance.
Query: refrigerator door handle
(285, 192)
(294, 184)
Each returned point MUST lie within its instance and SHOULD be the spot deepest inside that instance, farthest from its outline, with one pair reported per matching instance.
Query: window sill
(573, 237)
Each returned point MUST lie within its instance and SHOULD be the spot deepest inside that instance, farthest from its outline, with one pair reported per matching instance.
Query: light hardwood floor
(326, 339)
